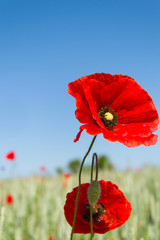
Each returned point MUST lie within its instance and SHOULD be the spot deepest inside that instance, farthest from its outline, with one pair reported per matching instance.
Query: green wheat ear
(94, 192)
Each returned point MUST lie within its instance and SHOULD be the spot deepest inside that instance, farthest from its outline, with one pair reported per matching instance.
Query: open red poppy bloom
(110, 212)
(117, 107)
(10, 156)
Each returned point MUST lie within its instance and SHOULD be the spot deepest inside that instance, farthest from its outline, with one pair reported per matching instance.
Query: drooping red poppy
(117, 107)
(10, 156)
(110, 212)
(9, 199)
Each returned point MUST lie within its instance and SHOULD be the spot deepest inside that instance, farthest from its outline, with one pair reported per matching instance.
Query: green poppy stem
(79, 187)
(96, 178)
(94, 156)
(91, 224)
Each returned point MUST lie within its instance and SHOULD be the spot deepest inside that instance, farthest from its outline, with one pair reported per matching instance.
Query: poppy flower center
(97, 212)
(108, 117)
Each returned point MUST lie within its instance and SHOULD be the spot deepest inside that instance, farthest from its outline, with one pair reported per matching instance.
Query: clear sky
(44, 45)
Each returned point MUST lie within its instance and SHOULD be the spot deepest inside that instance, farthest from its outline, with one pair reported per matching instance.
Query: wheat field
(37, 210)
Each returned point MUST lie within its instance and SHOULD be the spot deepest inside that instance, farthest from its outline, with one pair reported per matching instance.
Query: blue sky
(44, 45)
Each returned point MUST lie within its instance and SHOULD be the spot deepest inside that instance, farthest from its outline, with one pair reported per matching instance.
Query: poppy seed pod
(94, 192)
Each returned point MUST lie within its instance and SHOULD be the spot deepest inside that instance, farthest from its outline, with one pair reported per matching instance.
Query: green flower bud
(94, 192)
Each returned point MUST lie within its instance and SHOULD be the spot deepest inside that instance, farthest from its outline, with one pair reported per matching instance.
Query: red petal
(78, 135)
(130, 140)
(131, 96)
(91, 128)
(82, 113)
(134, 141)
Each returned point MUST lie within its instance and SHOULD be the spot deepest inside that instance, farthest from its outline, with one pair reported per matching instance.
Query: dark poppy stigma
(108, 117)
(97, 212)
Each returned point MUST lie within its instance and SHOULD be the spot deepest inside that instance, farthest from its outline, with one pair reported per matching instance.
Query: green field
(37, 210)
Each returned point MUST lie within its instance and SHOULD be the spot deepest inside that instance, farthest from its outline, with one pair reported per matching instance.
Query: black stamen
(96, 213)
(109, 124)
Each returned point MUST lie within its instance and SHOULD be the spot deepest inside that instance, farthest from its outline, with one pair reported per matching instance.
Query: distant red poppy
(65, 183)
(66, 175)
(9, 199)
(10, 156)
(51, 238)
(43, 168)
(43, 179)
(117, 107)
(110, 212)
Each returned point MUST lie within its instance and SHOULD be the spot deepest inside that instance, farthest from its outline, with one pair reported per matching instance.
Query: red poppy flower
(43, 168)
(9, 199)
(66, 175)
(65, 183)
(117, 107)
(10, 156)
(51, 238)
(110, 212)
